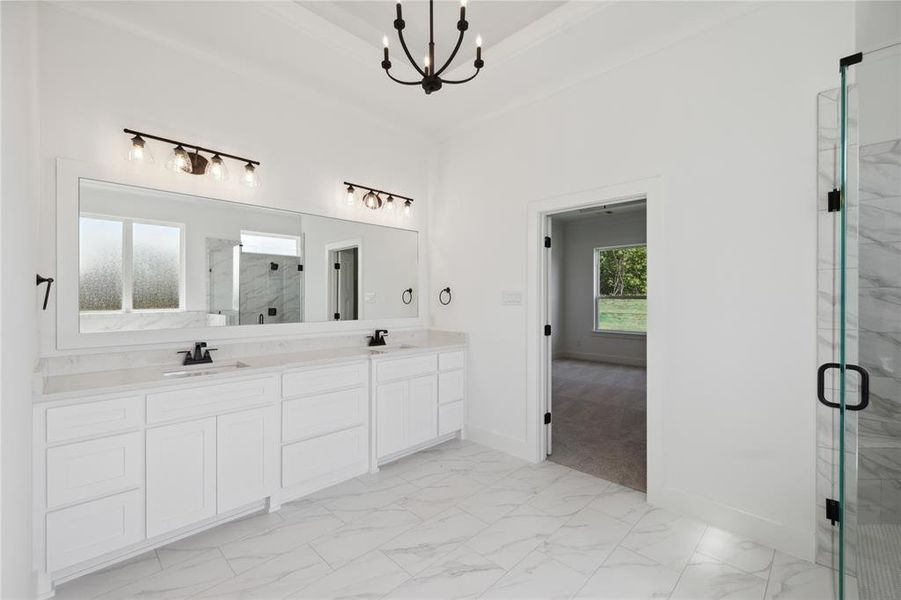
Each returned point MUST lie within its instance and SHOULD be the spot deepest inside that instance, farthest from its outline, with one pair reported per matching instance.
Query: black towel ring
(441, 296)
(403, 297)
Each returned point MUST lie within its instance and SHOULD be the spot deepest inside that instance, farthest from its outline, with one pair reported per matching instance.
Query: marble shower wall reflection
(270, 289)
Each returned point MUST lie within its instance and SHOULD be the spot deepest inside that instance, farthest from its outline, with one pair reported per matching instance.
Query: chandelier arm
(452, 55)
(473, 76)
(403, 44)
(396, 80)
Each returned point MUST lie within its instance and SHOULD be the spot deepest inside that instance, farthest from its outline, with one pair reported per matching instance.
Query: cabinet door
(246, 451)
(391, 399)
(181, 475)
(422, 410)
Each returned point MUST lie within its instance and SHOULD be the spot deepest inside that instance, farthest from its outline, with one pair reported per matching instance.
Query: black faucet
(200, 356)
(379, 338)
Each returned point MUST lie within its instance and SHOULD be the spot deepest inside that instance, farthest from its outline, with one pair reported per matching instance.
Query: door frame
(538, 346)
(329, 268)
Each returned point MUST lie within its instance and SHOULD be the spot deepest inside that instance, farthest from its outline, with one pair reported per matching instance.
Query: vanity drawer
(306, 461)
(450, 417)
(314, 415)
(405, 368)
(94, 418)
(314, 381)
(450, 386)
(89, 469)
(92, 529)
(210, 399)
(448, 361)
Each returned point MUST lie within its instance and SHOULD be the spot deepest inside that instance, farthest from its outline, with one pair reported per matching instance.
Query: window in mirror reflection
(268, 243)
(128, 265)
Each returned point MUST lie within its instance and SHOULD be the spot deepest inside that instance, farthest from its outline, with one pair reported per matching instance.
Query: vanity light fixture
(195, 163)
(139, 153)
(372, 199)
(431, 78)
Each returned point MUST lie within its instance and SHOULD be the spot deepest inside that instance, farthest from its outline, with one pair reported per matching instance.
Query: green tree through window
(621, 288)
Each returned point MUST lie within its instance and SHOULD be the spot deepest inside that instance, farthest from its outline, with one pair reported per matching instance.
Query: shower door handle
(864, 386)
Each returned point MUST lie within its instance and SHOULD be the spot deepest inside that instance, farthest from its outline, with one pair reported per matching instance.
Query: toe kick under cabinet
(117, 474)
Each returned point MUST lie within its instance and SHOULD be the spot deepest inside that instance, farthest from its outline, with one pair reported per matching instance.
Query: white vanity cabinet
(411, 411)
(325, 427)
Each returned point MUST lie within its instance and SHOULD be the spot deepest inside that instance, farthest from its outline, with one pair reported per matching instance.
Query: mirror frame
(63, 334)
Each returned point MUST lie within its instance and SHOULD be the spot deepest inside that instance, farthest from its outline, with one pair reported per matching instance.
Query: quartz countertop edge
(78, 385)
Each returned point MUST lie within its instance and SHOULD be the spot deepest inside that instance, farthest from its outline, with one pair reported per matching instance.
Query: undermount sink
(197, 371)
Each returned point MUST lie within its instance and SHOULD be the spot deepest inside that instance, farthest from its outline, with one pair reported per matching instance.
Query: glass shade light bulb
(389, 203)
(349, 198)
(139, 152)
(251, 179)
(372, 201)
(217, 169)
(179, 162)
(408, 208)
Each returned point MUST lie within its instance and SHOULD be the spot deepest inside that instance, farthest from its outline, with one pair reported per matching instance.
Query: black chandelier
(431, 79)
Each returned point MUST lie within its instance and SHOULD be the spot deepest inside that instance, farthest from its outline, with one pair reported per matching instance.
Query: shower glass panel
(868, 368)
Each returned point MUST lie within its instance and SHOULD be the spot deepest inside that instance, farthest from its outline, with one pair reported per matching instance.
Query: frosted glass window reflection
(259, 243)
(100, 264)
(157, 267)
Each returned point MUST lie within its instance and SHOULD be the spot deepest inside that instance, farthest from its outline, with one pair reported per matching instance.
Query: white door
(391, 400)
(422, 410)
(181, 475)
(246, 454)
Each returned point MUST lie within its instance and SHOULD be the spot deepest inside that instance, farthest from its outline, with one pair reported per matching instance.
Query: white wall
(96, 78)
(19, 301)
(581, 237)
(726, 119)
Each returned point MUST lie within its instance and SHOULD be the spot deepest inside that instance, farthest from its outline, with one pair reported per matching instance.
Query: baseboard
(512, 446)
(604, 358)
(781, 536)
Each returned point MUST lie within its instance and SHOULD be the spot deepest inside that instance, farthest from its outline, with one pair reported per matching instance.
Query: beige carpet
(600, 416)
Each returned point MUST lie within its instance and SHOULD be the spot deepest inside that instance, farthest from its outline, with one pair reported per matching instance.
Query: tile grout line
(685, 568)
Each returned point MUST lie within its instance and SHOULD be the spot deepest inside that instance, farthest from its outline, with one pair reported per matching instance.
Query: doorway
(344, 284)
(597, 308)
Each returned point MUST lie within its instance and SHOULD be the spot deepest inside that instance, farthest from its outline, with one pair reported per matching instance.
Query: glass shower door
(868, 367)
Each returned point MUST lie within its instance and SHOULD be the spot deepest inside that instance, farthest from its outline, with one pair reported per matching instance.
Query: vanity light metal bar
(372, 198)
(192, 162)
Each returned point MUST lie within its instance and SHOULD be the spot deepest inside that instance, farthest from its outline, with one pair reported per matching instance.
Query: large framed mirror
(140, 264)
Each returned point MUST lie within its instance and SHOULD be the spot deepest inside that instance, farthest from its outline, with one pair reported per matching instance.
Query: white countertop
(62, 387)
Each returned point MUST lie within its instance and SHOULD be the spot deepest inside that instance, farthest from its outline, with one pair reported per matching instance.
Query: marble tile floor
(600, 420)
(463, 521)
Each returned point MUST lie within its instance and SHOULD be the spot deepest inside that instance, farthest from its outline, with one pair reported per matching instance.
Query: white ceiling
(494, 20)
(532, 48)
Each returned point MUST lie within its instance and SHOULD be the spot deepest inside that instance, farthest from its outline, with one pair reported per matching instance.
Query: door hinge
(832, 510)
(834, 201)
(300, 267)
(337, 316)
(547, 241)
(547, 330)
(547, 418)
(337, 265)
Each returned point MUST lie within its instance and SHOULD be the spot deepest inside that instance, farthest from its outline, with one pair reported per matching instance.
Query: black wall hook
(407, 296)
(49, 281)
(445, 292)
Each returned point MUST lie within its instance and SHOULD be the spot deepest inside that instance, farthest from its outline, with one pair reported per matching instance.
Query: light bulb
(385, 40)
(462, 2)
(139, 152)
(349, 199)
(389, 203)
(179, 162)
(217, 169)
(426, 61)
(372, 200)
(251, 179)
(408, 208)
(479, 41)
